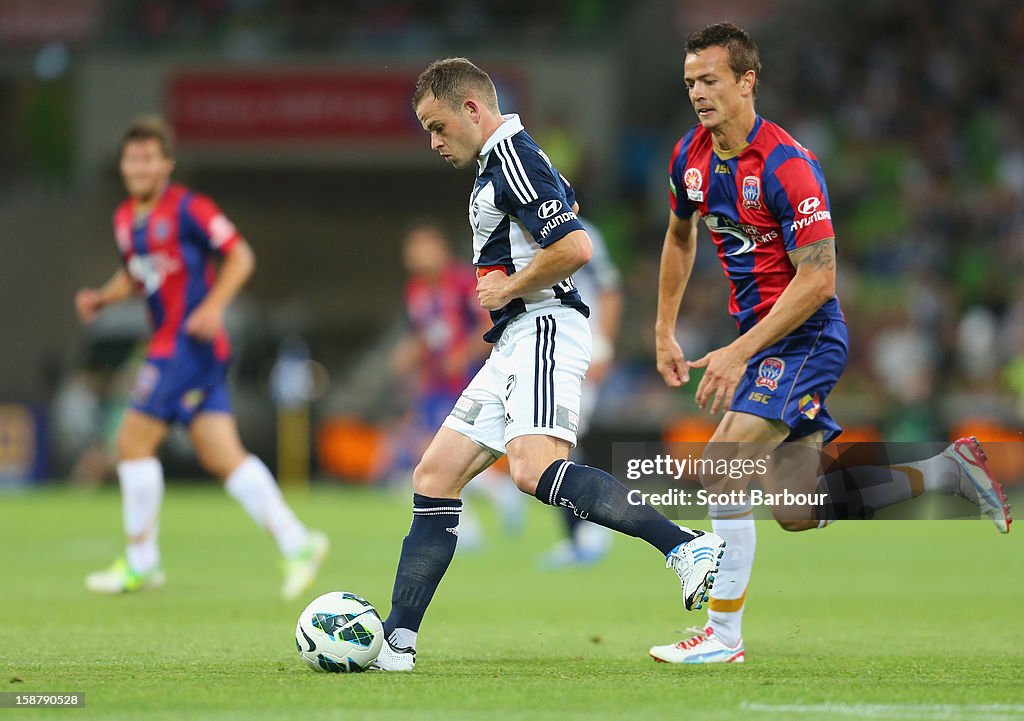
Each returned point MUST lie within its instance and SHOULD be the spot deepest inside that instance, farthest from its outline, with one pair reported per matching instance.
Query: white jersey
(520, 204)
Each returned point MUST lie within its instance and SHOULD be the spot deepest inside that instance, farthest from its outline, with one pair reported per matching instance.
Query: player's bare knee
(218, 463)
(130, 448)
(526, 482)
(430, 479)
(217, 469)
(125, 450)
(525, 474)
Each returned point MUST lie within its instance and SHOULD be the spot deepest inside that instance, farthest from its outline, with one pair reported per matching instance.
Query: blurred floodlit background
(294, 116)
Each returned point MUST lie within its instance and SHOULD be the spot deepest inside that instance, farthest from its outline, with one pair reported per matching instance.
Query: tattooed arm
(812, 286)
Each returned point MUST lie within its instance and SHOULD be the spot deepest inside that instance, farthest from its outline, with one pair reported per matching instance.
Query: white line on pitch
(931, 712)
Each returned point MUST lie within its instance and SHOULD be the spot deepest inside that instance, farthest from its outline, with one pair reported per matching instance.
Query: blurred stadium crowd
(256, 26)
(912, 107)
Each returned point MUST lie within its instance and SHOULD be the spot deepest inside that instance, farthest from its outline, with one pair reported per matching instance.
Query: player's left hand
(205, 322)
(725, 367)
(492, 291)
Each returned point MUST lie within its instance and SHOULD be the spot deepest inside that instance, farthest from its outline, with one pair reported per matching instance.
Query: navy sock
(426, 553)
(596, 496)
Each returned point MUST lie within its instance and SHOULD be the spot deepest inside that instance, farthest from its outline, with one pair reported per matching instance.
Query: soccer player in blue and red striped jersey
(443, 350)
(763, 197)
(188, 261)
(445, 323)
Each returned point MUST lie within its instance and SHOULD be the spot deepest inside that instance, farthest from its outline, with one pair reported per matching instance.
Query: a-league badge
(694, 180)
(809, 406)
(769, 372)
(191, 400)
(752, 192)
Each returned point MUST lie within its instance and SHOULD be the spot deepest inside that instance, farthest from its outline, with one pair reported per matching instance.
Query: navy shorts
(175, 389)
(789, 381)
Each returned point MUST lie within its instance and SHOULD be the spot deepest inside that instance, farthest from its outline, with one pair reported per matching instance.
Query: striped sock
(426, 553)
(599, 497)
(728, 598)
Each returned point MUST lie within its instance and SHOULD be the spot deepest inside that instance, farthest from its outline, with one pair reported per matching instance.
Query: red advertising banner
(341, 106)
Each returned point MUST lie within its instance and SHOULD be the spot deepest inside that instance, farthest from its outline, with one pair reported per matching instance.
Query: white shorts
(530, 384)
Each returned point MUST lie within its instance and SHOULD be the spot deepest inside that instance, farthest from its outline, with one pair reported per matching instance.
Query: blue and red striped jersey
(444, 316)
(760, 203)
(171, 255)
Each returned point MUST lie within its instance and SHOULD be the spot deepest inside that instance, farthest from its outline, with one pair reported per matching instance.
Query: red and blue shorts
(789, 381)
(177, 388)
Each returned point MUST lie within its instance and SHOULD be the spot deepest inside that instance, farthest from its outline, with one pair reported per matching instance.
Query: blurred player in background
(587, 543)
(763, 197)
(524, 402)
(170, 240)
(442, 351)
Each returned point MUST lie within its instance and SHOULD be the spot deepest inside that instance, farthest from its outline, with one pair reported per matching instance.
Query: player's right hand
(671, 362)
(88, 303)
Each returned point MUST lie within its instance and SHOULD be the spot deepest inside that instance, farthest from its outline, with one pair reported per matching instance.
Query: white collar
(510, 127)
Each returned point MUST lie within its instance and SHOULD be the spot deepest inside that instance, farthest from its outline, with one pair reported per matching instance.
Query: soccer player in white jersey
(524, 402)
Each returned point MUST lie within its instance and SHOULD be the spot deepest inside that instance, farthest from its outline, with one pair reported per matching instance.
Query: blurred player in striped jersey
(442, 351)
(763, 197)
(171, 240)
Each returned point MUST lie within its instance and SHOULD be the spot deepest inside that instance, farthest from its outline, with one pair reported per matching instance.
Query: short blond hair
(452, 80)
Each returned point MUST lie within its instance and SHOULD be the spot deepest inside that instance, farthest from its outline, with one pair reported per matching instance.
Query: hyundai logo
(549, 208)
(808, 205)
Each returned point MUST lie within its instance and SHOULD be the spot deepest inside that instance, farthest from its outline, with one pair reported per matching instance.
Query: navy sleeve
(535, 193)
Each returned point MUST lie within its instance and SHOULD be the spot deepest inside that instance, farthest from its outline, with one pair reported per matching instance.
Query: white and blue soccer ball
(339, 632)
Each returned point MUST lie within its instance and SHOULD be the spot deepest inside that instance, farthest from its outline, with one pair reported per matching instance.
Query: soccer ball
(339, 632)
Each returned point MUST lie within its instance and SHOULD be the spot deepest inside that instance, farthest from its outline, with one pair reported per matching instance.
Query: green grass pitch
(880, 619)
